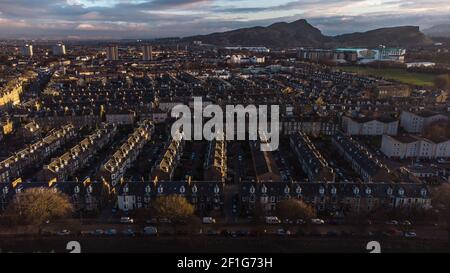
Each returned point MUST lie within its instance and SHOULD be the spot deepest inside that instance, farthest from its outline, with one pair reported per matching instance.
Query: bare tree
(442, 82)
(441, 201)
(175, 208)
(38, 205)
(295, 209)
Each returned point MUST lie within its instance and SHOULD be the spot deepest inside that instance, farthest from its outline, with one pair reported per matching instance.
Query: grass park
(395, 74)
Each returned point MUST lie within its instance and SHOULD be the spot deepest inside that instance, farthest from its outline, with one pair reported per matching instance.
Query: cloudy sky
(62, 19)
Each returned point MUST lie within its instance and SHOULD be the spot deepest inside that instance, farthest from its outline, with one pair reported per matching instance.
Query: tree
(173, 207)
(437, 130)
(38, 205)
(442, 82)
(295, 209)
(440, 199)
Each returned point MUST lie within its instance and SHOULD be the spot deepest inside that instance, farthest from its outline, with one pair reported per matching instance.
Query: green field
(396, 74)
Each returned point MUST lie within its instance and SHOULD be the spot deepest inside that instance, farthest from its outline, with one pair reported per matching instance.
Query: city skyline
(100, 19)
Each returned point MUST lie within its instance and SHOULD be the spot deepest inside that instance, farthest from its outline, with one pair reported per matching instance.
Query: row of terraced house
(14, 166)
(346, 198)
(63, 167)
(114, 169)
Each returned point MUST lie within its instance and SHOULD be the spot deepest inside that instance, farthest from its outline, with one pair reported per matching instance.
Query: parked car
(224, 232)
(99, 232)
(152, 221)
(283, 232)
(334, 222)
(348, 233)
(317, 221)
(164, 221)
(406, 223)
(332, 233)
(393, 233)
(287, 221)
(111, 232)
(315, 233)
(86, 232)
(212, 232)
(392, 223)
(63, 232)
(272, 220)
(126, 220)
(443, 161)
(129, 232)
(208, 220)
(242, 233)
(300, 222)
(410, 234)
(152, 231)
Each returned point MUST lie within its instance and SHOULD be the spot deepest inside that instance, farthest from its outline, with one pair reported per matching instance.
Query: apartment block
(409, 146)
(418, 122)
(367, 126)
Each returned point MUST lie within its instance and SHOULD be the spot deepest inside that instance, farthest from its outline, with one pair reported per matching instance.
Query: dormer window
(148, 189)
(194, 189)
(298, 190)
(321, 190)
(89, 189)
(252, 189)
(368, 191)
(424, 192)
(356, 190)
(182, 189)
(333, 190)
(264, 189)
(401, 192)
(287, 190)
(390, 191)
(216, 189)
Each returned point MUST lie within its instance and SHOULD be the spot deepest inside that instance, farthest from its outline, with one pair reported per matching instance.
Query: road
(217, 244)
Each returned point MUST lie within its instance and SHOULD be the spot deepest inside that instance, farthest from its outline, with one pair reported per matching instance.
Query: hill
(394, 37)
(301, 33)
(276, 35)
(439, 31)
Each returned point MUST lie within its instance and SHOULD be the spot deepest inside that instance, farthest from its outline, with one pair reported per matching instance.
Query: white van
(209, 220)
(272, 220)
(317, 221)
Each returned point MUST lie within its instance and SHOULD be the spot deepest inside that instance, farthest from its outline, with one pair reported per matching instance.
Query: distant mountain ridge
(301, 33)
(442, 30)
